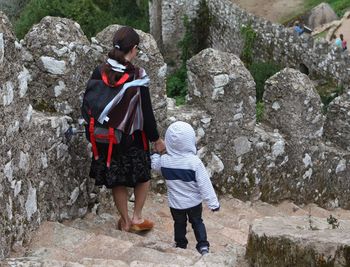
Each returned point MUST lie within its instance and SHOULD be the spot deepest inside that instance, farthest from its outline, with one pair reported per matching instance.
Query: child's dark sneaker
(203, 250)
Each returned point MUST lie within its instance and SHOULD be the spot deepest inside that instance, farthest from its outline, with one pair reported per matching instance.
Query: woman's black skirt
(128, 166)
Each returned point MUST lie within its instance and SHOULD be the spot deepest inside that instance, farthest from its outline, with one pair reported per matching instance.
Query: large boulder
(220, 84)
(320, 15)
(293, 106)
(60, 60)
(337, 124)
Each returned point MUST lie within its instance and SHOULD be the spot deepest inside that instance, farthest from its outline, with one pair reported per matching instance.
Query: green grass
(339, 6)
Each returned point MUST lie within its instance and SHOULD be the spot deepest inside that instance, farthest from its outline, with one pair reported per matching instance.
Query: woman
(127, 163)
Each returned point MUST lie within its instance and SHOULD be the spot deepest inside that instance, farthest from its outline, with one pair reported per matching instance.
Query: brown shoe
(144, 226)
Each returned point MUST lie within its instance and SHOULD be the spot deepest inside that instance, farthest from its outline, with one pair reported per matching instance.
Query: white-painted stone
(74, 196)
(23, 161)
(242, 146)
(60, 52)
(307, 160)
(307, 174)
(200, 134)
(9, 209)
(8, 93)
(237, 117)
(276, 105)
(238, 168)
(29, 113)
(8, 171)
(72, 58)
(171, 103)
(206, 120)
(53, 66)
(23, 78)
(319, 133)
(2, 48)
(341, 166)
(31, 202)
(162, 71)
(278, 148)
(215, 165)
(221, 80)
(17, 188)
(202, 152)
(59, 88)
(43, 158)
(62, 151)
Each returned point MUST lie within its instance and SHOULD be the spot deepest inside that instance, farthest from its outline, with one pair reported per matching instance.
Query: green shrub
(259, 111)
(92, 15)
(261, 71)
(177, 85)
(328, 92)
(249, 36)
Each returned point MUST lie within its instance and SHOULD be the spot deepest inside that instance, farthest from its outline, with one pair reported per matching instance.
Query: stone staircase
(94, 241)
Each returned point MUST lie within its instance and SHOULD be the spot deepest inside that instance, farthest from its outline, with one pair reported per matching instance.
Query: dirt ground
(345, 30)
(273, 10)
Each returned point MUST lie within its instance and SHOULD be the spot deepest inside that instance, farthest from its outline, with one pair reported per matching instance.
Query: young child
(188, 184)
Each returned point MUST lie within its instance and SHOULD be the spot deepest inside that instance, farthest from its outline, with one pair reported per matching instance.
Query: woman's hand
(159, 146)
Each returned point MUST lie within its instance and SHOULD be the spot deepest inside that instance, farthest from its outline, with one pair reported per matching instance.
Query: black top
(149, 121)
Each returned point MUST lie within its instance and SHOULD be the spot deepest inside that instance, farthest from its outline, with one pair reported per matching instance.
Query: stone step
(95, 241)
(298, 241)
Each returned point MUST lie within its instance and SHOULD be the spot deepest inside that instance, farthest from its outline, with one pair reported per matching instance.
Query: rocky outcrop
(337, 125)
(320, 15)
(291, 95)
(44, 177)
(284, 157)
(297, 241)
(59, 58)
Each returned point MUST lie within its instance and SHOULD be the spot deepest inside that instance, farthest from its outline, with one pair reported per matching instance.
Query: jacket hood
(180, 139)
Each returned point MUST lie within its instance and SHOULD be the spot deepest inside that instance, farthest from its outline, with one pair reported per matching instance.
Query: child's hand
(159, 146)
(217, 209)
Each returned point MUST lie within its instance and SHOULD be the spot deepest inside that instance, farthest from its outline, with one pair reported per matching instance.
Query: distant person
(343, 42)
(298, 28)
(339, 42)
(188, 184)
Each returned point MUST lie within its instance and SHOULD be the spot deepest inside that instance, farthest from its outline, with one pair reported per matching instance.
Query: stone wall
(37, 178)
(169, 33)
(273, 41)
(42, 81)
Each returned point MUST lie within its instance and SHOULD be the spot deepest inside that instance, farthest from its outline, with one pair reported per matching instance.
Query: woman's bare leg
(120, 196)
(140, 192)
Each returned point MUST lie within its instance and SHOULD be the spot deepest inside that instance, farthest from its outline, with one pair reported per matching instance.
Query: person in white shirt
(188, 184)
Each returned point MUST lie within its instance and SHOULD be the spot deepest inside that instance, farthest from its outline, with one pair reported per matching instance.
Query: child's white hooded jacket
(186, 178)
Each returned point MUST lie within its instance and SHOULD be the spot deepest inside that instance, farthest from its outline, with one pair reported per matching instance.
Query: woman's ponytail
(124, 40)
